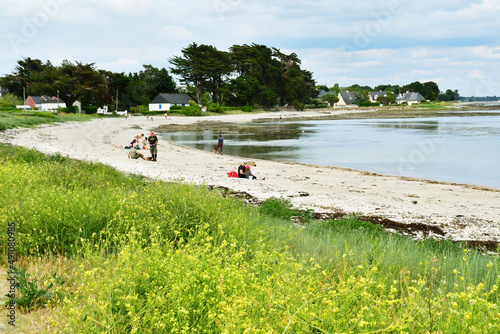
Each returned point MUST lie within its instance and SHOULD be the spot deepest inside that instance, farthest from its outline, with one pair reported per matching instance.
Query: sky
(453, 43)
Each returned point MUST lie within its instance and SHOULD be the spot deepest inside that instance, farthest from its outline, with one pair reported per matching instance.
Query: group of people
(141, 142)
(244, 171)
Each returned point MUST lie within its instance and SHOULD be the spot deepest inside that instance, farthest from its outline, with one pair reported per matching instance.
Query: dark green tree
(257, 74)
(330, 98)
(297, 85)
(71, 81)
(17, 82)
(204, 67)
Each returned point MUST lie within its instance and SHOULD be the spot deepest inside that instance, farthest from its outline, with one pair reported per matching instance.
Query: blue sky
(453, 43)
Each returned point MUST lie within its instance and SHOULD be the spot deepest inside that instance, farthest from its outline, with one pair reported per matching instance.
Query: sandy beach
(417, 207)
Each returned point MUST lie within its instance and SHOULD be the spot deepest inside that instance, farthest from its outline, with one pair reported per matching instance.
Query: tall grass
(10, 119)
(149, 257)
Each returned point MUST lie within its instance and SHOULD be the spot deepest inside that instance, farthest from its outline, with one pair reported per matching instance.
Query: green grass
(12, 118)
(133, 255)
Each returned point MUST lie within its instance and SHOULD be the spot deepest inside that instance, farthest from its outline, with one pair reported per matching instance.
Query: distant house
(410, 98)
(3, 91)
(323, 93)
(165, 101)
(48, 103)
(372, 96)
(346, 99)
(34, 102)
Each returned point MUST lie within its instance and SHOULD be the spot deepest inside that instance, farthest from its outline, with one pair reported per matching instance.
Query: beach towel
(232, 174)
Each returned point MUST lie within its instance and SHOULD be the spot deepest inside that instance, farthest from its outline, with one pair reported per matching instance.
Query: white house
(55, 104)
(374, 95)
(163, 102)
(346, 99)
(48, 104)
(410, 98)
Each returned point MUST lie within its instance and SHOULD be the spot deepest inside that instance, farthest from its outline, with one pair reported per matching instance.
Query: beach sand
(418, 207)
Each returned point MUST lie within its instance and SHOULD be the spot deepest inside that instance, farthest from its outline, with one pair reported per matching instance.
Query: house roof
(374, 95)
(411, 96)
(37, 99)
(323, 93)
(347, 97)
(52, 100)
(172, 99)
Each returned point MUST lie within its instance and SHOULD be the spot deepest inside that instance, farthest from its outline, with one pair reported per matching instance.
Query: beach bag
(232, 174)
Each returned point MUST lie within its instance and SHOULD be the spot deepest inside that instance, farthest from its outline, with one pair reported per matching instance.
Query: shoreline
(423, 208)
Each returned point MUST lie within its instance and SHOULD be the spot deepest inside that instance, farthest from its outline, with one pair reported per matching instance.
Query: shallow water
(452, 149)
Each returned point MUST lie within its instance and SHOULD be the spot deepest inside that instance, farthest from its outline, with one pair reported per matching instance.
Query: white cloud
(390, 41)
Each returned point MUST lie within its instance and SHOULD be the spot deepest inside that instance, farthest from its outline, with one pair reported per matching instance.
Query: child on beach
(133, 154)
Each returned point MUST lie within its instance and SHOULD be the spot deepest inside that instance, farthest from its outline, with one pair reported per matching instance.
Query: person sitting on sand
(133, 154)
(241, 170)
(250, 176)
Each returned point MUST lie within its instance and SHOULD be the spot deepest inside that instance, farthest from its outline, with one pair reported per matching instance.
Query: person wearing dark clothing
(241, 170)
(220, 143)
(153, 148)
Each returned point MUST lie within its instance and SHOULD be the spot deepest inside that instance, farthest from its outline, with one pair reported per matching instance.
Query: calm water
(453, 149)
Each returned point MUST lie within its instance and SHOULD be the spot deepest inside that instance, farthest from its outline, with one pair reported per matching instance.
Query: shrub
(368, 104)
(90, 109)
(214, 107)
(34, 293)
(194, 110)
(278, 208)
(246, 109)
(69, 110)
(298, 105)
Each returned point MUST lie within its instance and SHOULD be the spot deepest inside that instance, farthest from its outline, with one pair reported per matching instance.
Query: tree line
(246, 75)
(429, 90)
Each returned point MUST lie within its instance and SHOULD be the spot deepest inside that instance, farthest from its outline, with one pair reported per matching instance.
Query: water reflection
(427, 126)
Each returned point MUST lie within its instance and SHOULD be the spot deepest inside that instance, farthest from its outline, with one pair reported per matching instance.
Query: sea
(463, 150)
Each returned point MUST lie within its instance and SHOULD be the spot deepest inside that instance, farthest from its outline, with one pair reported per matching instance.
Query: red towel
(232, 174)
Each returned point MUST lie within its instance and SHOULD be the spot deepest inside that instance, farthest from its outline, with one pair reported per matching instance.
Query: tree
(385, 100)
(204, 67)
(17, 82)
(330, 98)
(443, 97)
(70, 81)
(297, 85)
(322, 87)
(257, 76)
(156, 81)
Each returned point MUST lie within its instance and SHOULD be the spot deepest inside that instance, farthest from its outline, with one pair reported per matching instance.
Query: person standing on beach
(220, 143)
(153, 148)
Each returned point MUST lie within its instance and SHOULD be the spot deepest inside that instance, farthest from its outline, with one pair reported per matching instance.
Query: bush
(140, 109)
(298, 105)
(278, 208)
(246, 109)
(214, 107)
(194, 110)
(69, 110)
(368, 104)
(90, 109)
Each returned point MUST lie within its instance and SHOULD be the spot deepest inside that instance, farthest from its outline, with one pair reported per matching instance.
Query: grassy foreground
(110, 253)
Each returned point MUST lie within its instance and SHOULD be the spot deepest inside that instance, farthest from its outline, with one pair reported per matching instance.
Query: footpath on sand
(417, 207)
